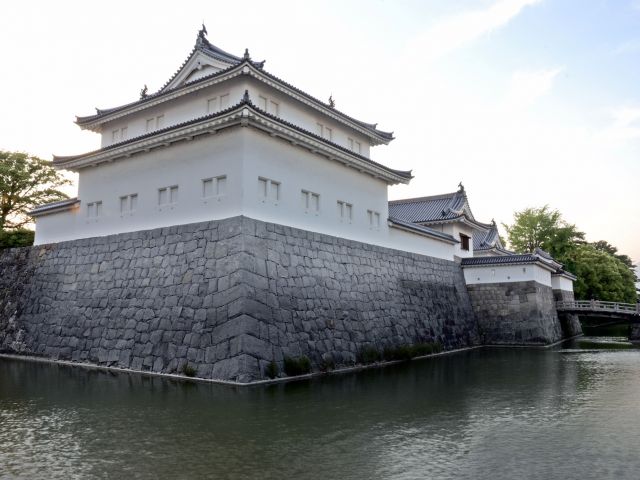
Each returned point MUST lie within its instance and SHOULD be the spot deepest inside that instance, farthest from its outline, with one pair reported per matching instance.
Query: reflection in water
(491, 413)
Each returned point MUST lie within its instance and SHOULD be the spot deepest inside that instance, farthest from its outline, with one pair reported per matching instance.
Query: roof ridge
(422, 199)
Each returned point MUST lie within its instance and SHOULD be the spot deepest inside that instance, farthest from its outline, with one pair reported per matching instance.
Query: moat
(485, 413)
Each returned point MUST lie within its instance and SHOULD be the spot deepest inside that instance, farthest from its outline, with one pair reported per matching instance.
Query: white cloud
(630, 46)
(625, 125)
(460, 30)
(527, 86)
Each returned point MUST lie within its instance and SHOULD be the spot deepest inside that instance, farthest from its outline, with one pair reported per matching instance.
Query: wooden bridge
(596, 308)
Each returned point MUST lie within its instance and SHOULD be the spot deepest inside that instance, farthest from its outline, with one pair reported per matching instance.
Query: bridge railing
(598, 306)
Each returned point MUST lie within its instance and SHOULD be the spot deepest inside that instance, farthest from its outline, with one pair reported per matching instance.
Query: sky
(527, 102)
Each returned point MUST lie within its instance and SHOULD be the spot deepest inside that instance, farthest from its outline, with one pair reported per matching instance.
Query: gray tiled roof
(488, 239)
(54, 205)
(235, 62)
(448, 206)
(422, 229)
(543, 253)
(499, 260)
(245, 101)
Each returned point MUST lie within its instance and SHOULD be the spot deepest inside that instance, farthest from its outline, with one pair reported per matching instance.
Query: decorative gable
(205, 59)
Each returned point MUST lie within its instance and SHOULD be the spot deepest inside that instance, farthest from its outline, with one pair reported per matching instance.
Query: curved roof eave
(102, 115)
(400, 176)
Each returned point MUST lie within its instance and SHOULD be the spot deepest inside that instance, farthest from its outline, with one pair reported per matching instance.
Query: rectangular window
(310, 201)
(345, 211)
(212, 105)
(115, 135)
(128, 203)
(274, 108)
(464, 242)
(94, 209)
(214, 187)
(350, 143)
(328, 133)
(123, 133)
(374, 219)
(168, 195)
(320, 129)
(358, 147)
(224, 101)
(268, 189)
(155, 123)
(262, 102)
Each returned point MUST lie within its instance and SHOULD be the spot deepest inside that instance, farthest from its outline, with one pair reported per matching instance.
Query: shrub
(297, 366)
(407, 352)
(16, 238)
(271, 370)
(328, 363)
(189, 370)
(368, 354)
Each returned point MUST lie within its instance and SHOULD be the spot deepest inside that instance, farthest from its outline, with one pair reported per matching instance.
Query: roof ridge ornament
(143, 92)
(246, 55)
(246, 98)
(460, 187)
(332, 102)
(202, 33)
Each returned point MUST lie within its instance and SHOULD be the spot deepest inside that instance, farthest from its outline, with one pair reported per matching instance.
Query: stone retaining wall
(521, 313)
(225, 297)
(570, 322)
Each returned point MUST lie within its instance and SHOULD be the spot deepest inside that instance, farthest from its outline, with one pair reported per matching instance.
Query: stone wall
(634, 332)
(520, 313)
(569, 322)
(225, 297)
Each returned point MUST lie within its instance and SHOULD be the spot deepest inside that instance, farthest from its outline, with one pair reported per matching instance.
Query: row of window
(220, 102)
(167, 196)
(269, 191)
(215, 187)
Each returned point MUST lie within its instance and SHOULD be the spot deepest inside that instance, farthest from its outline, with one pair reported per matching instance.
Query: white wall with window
(474, 275)
(128, 204)
(249, 173)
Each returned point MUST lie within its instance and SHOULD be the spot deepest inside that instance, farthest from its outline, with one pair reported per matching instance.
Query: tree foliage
(19, 237)
(26, 181)
(601, 275)
(542, 228)
(602, 272)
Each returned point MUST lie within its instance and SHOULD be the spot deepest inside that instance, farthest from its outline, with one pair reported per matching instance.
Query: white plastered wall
(558, 282)
(194, 105)
(242, 155)
(506, 274)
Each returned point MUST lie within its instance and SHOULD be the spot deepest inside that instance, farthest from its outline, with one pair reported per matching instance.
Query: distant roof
(204, 46)
(424, 230)
(434, 209)
(484, 240)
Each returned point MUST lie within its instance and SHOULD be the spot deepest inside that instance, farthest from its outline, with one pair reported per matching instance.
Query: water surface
(482, 414)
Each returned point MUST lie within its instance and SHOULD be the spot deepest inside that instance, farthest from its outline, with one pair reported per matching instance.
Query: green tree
(602, 272)
(26, 181)
(542, 228)
(601, 275)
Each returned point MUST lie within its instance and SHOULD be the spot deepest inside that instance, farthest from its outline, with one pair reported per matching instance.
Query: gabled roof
(236, 66)
(435, 209)
(485, 240)
(242, 113)
(208, 49)
(421, 229)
